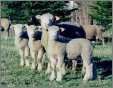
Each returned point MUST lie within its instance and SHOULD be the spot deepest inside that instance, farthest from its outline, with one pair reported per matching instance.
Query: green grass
(14, 76)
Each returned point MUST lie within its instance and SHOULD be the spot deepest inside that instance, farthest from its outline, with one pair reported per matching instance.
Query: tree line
(21, 11)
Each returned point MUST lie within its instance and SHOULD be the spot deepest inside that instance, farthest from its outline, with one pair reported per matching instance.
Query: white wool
(21, 44)
(36, 48)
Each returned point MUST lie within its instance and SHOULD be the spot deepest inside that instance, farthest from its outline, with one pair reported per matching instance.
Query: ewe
(36, 48)
(55, 52)
(21, 42)
(82, 47)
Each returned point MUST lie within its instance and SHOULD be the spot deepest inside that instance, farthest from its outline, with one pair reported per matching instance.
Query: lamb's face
(53, 32)
(46, 20)
(31, 30)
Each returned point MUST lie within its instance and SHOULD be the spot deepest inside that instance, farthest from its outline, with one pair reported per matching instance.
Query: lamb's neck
(51, 41)
(17, 38)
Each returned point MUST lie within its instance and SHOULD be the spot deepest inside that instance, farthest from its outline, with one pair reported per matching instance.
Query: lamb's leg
(74, 65)
(52, 65)
(22, 60)
(63, 69)
(89, 72)
(39, 59)
(103, 42)
(88, 65)
(83, 69)
(26, 56)
(34, 62)
(59, 69)
(48, 68)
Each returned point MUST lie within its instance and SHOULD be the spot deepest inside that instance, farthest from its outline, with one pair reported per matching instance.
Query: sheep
(21, 42)
(82, 47)
(73, 49)
(5, 26)
(45, 23)
(56, 52)
(94, 32)
(36, 48)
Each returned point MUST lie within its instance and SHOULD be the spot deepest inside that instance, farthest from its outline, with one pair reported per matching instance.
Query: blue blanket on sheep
(24, 35)
(72, 31)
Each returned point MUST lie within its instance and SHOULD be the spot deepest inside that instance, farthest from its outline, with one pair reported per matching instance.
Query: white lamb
(82, 47)
(5, 26)
(56, 53)
(21, 42)
(46, 21)
(36, 48)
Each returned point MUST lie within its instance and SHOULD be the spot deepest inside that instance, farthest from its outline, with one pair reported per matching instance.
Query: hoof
(39, 69)
(33, 67)
(47, 72)
(52, 78)
(58, 79)
(21, 64)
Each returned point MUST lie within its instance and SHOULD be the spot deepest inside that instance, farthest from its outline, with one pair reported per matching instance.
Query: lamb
(5, 26)
(21, 42)
(56, 53)
(82, 47)
(36, 48)
(73, 49)
(45, 21)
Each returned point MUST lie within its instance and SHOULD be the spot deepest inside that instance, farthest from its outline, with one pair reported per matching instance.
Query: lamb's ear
(38, 16)
(62, 29)
(57, 18)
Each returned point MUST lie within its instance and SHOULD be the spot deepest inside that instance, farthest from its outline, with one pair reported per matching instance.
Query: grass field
(14, 76)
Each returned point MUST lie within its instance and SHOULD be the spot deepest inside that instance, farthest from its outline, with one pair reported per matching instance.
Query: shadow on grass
(104, 67)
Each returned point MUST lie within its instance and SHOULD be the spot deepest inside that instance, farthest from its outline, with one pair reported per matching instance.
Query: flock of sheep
(57, 40)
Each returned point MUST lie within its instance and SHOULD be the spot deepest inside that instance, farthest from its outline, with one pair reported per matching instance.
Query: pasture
(14, 76)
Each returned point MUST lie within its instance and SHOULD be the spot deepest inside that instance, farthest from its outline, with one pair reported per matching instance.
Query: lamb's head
(53, 32)
(31, 30)
(18, 29)
(47, 19)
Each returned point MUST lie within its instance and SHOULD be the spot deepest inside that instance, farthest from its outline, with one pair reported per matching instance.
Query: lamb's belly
(36, 47)
(22, 44)
(73, 55)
